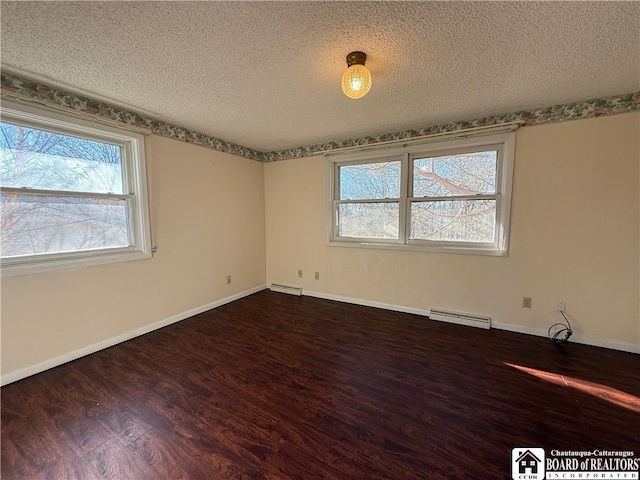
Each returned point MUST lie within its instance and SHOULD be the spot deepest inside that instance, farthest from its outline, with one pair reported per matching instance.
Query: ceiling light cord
(558, 337)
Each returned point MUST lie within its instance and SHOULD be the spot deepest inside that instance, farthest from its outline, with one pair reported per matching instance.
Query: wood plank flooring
(281, 387)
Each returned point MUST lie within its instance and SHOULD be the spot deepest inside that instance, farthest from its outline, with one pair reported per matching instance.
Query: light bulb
(356, 81)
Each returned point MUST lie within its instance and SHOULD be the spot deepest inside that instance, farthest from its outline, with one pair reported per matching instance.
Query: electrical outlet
(228, 279)
(526, 302)
(300, 273)
(562, 307)
(317, 275)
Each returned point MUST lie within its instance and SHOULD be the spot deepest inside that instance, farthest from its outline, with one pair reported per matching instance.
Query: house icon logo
(527, 464)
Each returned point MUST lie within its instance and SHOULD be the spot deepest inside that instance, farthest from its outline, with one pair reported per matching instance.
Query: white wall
(209, 223)
(574, 238)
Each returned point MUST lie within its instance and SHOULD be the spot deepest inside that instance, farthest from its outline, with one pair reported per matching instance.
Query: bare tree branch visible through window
(40, 160)
(421, 199)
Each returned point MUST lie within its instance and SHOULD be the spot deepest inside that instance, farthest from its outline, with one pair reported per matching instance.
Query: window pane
(51, 161)
(454, 221)
(368, 220)
(455, 175)
(370, 181)
(50, 224)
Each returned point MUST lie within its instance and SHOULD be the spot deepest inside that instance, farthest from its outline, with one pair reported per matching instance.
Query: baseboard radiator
(468, 319)
(282, 288)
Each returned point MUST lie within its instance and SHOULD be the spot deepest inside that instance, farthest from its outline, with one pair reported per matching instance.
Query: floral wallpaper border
(596, 107)
(12, 85)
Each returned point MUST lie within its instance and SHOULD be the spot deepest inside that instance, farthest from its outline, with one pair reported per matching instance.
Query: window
(446, 196)
(72, 193)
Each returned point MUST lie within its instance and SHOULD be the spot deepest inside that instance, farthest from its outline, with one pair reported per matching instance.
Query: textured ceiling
(266, 75)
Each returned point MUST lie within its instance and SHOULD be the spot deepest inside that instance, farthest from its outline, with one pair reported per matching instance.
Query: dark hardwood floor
(282, 387)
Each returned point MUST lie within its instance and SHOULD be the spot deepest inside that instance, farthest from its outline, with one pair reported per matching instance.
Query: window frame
(370, 160)
(135, 193)
(503, 142)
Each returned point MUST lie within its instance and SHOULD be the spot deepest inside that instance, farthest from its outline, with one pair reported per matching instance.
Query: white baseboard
(54, 362)
(110, 342)
(575, 338)
(539, 332)
(366, 303)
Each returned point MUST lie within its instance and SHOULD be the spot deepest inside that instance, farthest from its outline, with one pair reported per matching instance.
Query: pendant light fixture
(356, 80)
